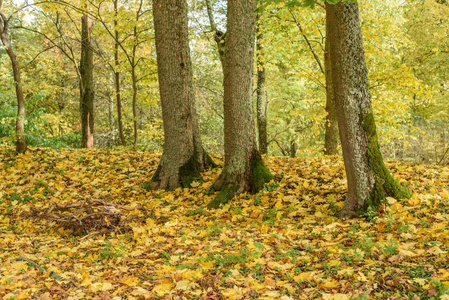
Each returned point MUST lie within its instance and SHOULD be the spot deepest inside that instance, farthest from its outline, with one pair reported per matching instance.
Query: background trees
(405, 54)
(6, 40)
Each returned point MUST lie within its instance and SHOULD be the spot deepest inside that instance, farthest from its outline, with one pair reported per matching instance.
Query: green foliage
(35, 125)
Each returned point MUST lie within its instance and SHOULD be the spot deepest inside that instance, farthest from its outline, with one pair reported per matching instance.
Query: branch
(37, 55)
(277, 143)
(210, 14)
(317, 59)
(72, 59)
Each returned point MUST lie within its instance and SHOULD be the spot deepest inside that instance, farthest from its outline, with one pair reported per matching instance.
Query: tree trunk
(182, 158)
(117, 78)
(262, 104)
(86, 85)
(331, 131)
(244, 169)
(369, 181)
(20, 142)
(134, 84)
(219, 36)
(293, 149)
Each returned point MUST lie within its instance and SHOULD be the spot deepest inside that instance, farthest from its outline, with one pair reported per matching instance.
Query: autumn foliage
(120, 240)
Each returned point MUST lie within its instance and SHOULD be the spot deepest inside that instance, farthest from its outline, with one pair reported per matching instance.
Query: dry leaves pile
(78, 224)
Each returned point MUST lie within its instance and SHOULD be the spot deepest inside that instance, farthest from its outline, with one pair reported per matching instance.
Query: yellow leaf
(195, 184)
(329, 284)
(163, 288)
(336, 296)
(304, 276)
(391, 200)
(129, 280)
(414, 200)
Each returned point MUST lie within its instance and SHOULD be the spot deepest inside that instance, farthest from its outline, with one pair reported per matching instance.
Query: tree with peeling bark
(244, 169)
(369, 181)
(20, 141)
(183, 156)
(86, 84)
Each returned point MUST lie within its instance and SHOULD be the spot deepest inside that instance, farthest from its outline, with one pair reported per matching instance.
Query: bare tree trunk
(369, 181)
(86, 85)
(331, 132)
(182, 158)
(244, 169)
(262, 104)
(20, 123)
(293, 149)
(117, 78)
(134, 84)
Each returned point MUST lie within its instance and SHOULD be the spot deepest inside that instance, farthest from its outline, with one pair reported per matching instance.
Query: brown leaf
(105, 296)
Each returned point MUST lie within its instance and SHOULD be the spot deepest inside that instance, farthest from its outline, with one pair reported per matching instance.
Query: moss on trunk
(189, 172)
(259, 173)
(385, 184)
(226, 193)
(208, 161)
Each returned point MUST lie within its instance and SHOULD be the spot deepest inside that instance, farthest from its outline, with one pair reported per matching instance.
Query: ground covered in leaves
(77, 224)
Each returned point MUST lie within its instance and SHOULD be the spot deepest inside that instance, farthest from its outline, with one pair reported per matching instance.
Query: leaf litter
(81, 224)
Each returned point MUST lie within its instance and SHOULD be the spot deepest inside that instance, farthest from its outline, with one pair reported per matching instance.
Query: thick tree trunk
(183, 155)
(369, 181)
(262, 105)
(331, 131)
(117, 78)
(21, 145)
(86, 85)
(244, 169)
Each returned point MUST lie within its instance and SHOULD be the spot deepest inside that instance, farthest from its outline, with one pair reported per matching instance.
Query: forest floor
(77, 224)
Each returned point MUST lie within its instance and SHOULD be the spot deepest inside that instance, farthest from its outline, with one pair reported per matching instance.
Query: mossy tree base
(226, 193)
(167, 178)
(208, 161)
(257, 174)
(21, 146)
(384, 185)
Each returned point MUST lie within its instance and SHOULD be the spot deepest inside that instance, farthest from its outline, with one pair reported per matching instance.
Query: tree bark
(219, 36)
(86, 85)
(331, 131)
(293, 149)
(20, 141)
(244, 169)
(117, 77)
(134, 84)
(262, 104)
(369, 181)
(183, 157)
